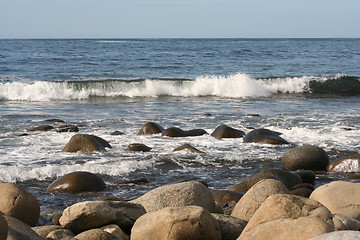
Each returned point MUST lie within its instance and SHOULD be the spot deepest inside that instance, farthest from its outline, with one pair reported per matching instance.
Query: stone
(67, 128)
(224, 131)
(3, 227)
(231, 227)
(19, 203)
(305, 158)
(177, 223)
(255, 196)
(174, 132)
(116, 231)
(138, 147)
(93, 214)
(76, 182)
(95, 234)
(307, 176)
(86, 143)
(339, 235)
(264, 136)
(225, 196)
(60, 234)
(343, 222)
(303, 192)
(18, 230)
(188, 147)
(151, 128)
(339, 197)
(117, 133)
(42, 128)
(284, 216)
(43, 231)
(195, 132)
(54, 120)
(177, 195)
(345, 164)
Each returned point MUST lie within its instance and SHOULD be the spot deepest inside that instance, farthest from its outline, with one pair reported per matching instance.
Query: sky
(179, 18)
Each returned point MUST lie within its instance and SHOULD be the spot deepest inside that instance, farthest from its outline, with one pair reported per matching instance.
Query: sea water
(307, 89)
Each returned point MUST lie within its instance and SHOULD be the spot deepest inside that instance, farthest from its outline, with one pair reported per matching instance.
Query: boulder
(43, 231)
(307, 176)
(93, 214)
(95, 234)
(18, 230)
(174, 132)
(305, 157)
(151, 128)
(339, 235)
(42, 128)
(195, 132)
(231, 227)
(177, 223)
(86, 143)
(116, 231)
(77, 182)
(345, 164)
(265, 136)
(62, 234)
(343, 222)
(224, 131)
(188, 147)
(225, 196)
(303, 192)
(177, 195)
(3, 227)
(339, 197)
(284, 216)
(255, 196)
(138, 147)
(19, 203)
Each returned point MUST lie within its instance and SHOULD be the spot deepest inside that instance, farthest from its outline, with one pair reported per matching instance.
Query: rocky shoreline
(278, 203)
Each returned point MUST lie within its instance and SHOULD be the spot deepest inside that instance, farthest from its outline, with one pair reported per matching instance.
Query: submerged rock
(265, 136)
(174, 132)
(138, 147)
(86, 143)
(224, 131)
(188, 147)
(42, 128)
(151, 128)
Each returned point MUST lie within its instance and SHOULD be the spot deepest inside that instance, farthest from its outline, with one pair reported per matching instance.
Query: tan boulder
(86, 143)
(60, 234)
(18, 230)
(45, 230)
(284, 216)
(93, 214)
(177, 195)
(177, 223)
(116, 231)
(95, 234)
(340, 197)
(343, 222)
(19, 203)
(3, 227)
(255, 196)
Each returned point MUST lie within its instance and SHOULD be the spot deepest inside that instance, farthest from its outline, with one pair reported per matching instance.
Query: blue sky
(178, 18)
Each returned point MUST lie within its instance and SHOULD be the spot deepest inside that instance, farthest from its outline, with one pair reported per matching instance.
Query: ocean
(307, 89)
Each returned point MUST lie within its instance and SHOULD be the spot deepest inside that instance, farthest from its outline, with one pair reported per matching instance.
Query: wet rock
(55, 120)
(86, 143)
(93, 214)
(188, 147)
(224, 131)
(77, 182)
(284, 216)
(307, 176)
(256, 195)
(174, 132)
(138, 147)
(346, 164)
(225, 196)
(117, 133)
(231, 227)
(177, 195)
(3, 227)
(339, 235)
(18, 230)
(175, 223)
(265, 136)
(305, 157)
(19, 203)
(42, 128)
(339, 197)
(67, 128)
(303, 192)
(195, 132)
(151, 128)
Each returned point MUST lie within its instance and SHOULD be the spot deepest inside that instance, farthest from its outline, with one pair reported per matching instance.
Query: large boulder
(305, 157)
(177, 195)
(177, 223)
(340, 197)
(255, 196)
(345, 164)
(265, 136)
(18, 230)
(19, 203)
(93, 214)
(231, 227)
(151, 128)
(224, 131)
(174, 132)
(86, 143)
(77, 182)
(339, 235)
(3, 227)
(284, 216)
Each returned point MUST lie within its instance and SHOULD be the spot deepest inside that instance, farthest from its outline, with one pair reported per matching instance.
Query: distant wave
(233, 86)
